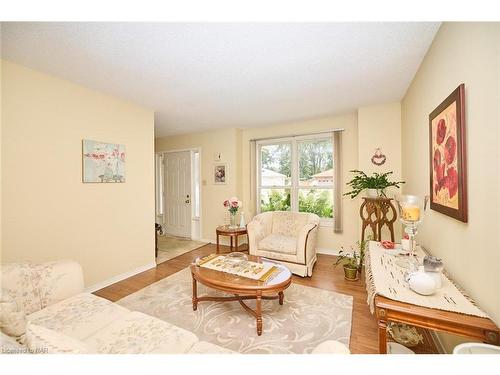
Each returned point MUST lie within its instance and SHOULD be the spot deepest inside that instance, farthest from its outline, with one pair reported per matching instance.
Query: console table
(382, 283)
(377, 213)
(388, 310)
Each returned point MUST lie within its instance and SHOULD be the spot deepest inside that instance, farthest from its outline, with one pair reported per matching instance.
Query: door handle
(187, 200)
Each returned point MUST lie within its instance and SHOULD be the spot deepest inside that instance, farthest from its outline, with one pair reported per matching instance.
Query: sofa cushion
(280, 257)
(41, 340)
(279, 243)
(8, 345)
(288, 223)
(17, 283)
(12, 318)
(58, 280)
(139, 333)
(37, 285)
(203, 347)
(79, 316)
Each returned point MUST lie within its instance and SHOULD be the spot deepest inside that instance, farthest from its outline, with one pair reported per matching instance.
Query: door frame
(193, 218)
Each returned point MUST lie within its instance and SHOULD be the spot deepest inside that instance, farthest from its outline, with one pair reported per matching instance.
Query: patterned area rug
(170, 247)
(308, 317)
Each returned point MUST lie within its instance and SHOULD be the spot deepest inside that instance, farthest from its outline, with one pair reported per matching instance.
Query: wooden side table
(224, 230)
(375, 213)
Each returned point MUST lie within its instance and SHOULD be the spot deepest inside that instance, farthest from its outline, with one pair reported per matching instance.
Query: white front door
(178, 193)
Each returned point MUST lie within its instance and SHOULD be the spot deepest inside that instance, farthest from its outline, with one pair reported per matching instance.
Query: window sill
(325, 223)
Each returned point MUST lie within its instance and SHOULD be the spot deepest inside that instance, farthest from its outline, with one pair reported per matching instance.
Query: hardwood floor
(364, 335)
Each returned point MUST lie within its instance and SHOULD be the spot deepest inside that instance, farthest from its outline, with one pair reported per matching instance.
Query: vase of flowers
(232, 204)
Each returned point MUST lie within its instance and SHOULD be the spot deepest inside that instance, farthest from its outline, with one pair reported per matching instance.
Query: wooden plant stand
(377, 213)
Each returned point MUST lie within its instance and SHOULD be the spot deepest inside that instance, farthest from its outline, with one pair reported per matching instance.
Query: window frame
(294, 186)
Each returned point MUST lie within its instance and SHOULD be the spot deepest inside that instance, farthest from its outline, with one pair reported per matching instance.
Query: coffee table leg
(195, 295)
(281, 296)
(258, 312)
(217, 243)
(236, 243)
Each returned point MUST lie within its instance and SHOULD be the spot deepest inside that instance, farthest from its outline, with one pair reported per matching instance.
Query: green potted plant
(375, 184)
(350, 263)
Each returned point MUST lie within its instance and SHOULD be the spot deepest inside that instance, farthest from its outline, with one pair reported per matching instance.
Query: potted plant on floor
(374, 184)
(350, 263)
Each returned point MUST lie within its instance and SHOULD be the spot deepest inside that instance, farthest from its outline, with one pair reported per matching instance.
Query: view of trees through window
(312, 183)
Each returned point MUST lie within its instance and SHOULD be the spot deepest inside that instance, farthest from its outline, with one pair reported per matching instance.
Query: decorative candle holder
(411, 213)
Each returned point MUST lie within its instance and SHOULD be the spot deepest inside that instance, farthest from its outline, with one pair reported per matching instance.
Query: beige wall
(461, 53)
(48, 213)
(380, 127)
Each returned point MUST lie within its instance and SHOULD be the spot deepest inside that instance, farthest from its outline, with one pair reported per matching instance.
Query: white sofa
(53, 315)
(62, 319)
(287, 237)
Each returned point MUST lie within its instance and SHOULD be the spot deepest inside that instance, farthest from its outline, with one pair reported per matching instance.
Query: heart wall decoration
(378, 157)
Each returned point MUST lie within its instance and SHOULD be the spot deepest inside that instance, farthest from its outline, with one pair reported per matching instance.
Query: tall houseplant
(377, 181)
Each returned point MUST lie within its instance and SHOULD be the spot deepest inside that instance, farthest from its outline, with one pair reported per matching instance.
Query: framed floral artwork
(448, 166)
(103, 162)
(220, 174)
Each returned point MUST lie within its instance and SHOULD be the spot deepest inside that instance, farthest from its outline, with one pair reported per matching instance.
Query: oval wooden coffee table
(243, 288)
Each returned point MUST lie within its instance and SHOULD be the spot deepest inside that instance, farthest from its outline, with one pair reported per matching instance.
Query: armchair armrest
(259, 228)
(306, 242)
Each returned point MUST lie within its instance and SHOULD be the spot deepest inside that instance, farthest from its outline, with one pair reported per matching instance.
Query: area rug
(170, 247)
(308, 317)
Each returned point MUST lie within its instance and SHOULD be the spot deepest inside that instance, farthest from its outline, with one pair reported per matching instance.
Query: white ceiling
(199, 76)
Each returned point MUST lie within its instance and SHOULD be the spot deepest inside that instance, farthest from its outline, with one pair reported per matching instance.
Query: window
(297, 174)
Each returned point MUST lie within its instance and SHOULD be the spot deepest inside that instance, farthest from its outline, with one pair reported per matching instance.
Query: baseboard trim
(327, 251)
(437, 341)
(205, 240)
(117, 278)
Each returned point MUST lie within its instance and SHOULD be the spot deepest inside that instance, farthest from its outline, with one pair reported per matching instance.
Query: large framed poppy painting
(448, 164)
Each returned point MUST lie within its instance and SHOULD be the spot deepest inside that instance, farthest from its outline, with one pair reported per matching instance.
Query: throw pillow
(12, 318)
(41, 340)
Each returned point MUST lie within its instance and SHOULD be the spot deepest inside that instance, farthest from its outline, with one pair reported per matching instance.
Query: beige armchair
(287, 237)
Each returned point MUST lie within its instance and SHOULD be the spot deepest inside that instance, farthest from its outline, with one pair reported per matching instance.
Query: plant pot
(375, 193)
(350, 274)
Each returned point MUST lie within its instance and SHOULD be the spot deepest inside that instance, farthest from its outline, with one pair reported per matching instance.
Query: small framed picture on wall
(220, 173)
(448, 158)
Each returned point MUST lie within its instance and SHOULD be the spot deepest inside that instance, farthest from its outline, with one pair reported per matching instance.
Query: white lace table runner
(384, 277)
(252, 270)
